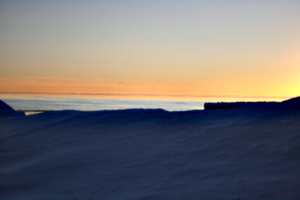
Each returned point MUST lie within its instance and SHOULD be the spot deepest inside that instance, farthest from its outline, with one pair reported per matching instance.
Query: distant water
(90, 104)
(85, 103)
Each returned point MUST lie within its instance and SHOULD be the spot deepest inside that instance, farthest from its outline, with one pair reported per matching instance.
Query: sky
(163, 47)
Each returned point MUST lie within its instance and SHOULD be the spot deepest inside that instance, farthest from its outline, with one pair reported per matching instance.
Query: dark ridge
(231, 105)
(6, 110)
(292, 103)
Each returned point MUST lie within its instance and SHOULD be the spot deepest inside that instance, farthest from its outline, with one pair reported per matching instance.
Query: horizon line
(162, 95)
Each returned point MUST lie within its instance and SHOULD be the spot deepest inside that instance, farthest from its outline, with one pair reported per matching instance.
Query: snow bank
(244, 153)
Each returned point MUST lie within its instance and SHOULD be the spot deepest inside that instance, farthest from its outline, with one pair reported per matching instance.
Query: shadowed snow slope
(246, 153)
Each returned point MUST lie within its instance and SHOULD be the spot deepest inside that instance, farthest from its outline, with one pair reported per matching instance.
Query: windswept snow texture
(248, 153)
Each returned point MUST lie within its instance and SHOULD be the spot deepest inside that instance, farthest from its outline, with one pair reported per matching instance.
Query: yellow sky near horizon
(221, 48)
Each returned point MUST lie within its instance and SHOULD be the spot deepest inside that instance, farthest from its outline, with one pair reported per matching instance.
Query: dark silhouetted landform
(231, 105)
(294, 103)
(6, 110)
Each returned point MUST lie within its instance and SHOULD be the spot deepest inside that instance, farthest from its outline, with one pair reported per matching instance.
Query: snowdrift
(245, 153)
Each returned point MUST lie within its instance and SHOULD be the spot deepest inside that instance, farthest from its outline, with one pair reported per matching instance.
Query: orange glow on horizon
(280, 79)
(227, 86)
(196, 48)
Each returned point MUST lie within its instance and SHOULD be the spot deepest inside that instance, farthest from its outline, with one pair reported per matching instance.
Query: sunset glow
(220, 48)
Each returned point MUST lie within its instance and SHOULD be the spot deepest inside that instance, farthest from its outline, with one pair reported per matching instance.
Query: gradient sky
(182, 47)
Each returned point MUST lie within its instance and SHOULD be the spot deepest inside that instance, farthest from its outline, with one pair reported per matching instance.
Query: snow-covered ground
(249, 153)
